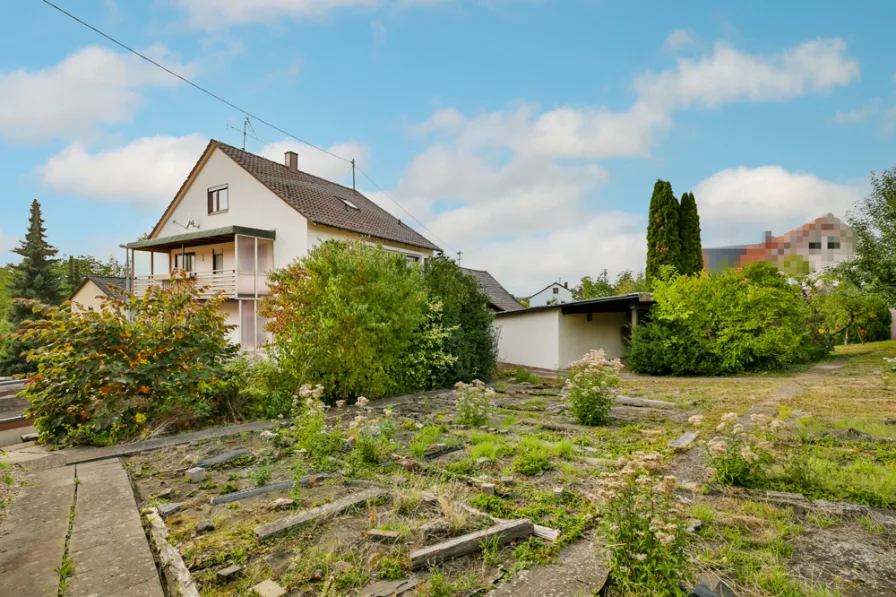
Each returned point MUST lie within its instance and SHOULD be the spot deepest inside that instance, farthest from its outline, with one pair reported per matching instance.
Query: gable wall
(251, 205)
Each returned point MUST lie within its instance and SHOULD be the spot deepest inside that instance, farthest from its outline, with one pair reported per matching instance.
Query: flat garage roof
(604, 304)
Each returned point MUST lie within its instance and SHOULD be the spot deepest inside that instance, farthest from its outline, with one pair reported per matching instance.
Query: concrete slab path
(106, 542)
(108, 547)
(32, 538)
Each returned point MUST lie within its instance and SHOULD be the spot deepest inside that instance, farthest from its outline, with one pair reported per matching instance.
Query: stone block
(196, 474)
(488, 488)
(229, 573)
(268, 588)
(204, 526)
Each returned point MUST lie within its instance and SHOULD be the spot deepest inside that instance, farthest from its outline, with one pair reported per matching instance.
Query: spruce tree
(663, 237)
(34, 277)
(689, 231)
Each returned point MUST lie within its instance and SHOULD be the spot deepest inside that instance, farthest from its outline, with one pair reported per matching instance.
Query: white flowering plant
(643, 528)
(312, 433)
(371, 437)
(591, 388)
(737, 457)
(472, 402)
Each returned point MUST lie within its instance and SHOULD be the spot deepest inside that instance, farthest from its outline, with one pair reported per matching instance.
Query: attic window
(348, 203)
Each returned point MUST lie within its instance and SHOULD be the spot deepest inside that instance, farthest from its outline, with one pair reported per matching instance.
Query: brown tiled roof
(105, 283)
(321, 202)
(499, 298)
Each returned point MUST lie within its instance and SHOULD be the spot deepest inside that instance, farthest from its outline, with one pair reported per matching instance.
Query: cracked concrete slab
(108, 547)
(32, 538)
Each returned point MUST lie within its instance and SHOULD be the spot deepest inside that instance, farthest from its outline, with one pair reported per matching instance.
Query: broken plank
(248, 493)
(548, 534)
(222, 458)
(554, 426)
(272, 529)
(630, 401)
(505, 532)
(685, 440)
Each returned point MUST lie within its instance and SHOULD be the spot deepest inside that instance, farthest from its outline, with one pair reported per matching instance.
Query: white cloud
(318, 163)
(212, 14)
(738, 203)
(859, 114)
(728, 75)
(147, 171)
(679, 38)
(93, 86)
(723, 77)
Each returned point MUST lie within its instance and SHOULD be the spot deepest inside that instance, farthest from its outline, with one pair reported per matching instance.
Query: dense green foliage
(691, 259)
(345, 317)
(728, 322)
(33, 278)
(874, 223)
(663, 238)
(140, 362)
(360, 320)
(626, 282)
(72, 270)
(465, 311)
(851, 313)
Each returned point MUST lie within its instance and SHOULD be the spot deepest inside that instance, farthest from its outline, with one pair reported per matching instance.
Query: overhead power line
(235, 107)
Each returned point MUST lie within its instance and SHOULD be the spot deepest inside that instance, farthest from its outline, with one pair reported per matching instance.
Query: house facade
(238, 216)
(90, 294)
(553, 294)
(820, 244)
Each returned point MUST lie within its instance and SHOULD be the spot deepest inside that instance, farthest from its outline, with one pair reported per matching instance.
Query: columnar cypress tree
(663, 237)
(35, 277)
(689, 231)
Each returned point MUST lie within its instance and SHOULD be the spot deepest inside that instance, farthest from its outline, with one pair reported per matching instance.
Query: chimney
(767, 237)
(292, 161)
(566, 285)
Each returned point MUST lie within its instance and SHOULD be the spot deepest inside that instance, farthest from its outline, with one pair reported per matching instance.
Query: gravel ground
(11, 478)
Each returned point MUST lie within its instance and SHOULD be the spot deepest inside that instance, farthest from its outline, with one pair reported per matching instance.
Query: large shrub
(729, 322)
(139, 362)
(466, 312)
(346, 317)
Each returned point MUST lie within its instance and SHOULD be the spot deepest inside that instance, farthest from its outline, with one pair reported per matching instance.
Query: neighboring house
(552, 295)
(551, 337)
(90, 294)
(238, 216)
(810, 248)
(499, 299)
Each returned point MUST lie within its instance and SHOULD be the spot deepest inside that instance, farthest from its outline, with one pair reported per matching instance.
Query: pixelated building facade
(810, 248)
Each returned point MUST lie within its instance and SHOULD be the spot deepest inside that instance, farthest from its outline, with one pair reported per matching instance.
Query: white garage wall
(578, 335)
(529, 338)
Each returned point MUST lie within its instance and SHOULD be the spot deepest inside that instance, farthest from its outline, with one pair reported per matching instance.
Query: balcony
(234, 261)
(211, 283)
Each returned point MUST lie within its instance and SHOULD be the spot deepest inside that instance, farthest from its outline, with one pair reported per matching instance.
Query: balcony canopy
(199, 238)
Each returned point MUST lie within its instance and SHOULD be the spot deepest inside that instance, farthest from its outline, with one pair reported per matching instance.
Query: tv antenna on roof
(189, 223)
(247, 126)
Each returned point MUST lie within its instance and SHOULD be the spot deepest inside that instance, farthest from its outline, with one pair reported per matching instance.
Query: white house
(550, 337)
(551, 295)
(238, 216)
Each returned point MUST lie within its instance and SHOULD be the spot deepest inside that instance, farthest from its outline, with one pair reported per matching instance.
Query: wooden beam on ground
(221, 459)
(505, 532)
(272, 529)
(542, 532)
(554, 426)
(242, 495)
(644, 402)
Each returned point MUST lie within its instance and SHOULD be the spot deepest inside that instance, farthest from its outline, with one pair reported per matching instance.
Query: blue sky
(527, 134)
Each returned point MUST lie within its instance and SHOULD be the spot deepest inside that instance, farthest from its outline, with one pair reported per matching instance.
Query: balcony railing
(212, 282)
